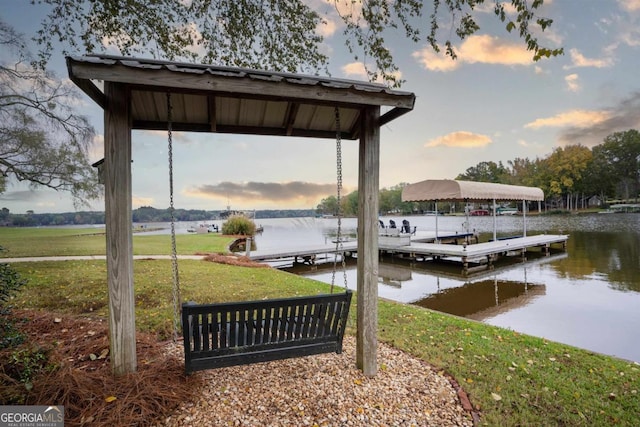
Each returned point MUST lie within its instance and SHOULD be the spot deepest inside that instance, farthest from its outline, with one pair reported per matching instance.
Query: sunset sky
(492, 104)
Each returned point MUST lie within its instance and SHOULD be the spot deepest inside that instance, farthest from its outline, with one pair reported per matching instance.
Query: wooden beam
(119, 235)
(368, 187)
(291, 117)
(192, 78)
(246, 130)
(90, 89)
(213, 117)
(392, 115)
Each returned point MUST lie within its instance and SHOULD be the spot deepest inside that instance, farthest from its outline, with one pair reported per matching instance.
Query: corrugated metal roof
(449, 189)
(208, 98)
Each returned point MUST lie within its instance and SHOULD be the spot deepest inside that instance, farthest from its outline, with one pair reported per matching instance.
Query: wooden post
(524, 218)
(368, 188)
(119, 235)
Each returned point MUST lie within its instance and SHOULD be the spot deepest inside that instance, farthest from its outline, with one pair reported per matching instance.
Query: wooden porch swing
(216, 99)
(244, 332)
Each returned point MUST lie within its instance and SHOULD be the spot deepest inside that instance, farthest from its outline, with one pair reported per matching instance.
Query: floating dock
(472, 257)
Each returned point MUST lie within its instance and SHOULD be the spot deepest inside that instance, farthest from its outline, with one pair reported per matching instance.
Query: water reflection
(393, 275)
(475, 298)
(612, 255)
(483, 299)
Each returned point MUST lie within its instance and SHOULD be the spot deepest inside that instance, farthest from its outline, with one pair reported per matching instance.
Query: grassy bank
(514, 379)
(35, 242)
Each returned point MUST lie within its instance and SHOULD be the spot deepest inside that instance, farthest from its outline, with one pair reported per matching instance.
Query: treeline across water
(143, 214)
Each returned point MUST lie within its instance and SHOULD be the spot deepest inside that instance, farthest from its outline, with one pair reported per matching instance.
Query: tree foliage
(608, 170)
(486, 172)
(563, 170)
(10, 284)
(239, 225)
(44, 141)
(621, 153)
(367, 24)
(262, 34)
(276, 34)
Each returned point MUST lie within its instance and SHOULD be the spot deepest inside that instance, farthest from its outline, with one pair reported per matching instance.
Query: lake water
(588, 296)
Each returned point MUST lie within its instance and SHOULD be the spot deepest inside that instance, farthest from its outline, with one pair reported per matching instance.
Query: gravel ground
(327, 390)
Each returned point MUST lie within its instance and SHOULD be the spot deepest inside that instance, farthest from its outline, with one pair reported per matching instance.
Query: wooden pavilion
(205, 98)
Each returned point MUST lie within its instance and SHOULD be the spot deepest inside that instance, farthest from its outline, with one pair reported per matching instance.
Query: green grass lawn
(37, 242)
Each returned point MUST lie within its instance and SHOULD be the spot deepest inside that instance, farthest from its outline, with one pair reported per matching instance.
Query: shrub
(10, 283)
(239, 225)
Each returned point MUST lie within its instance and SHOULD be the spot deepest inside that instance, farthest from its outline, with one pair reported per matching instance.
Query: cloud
(460, 139)
(573, 83)
(21, 196)
(493, 50)
(619, 118)
(579, 60)
(294, 191)
(630, 36)
(347, 8)
(138, 202)
(357, 70)
(573, 118)
(435, 62)
(630, 5)
(95, 150)
(331, 11)
(327, 27)
(589, 128)
(181, 137)
(477, 49)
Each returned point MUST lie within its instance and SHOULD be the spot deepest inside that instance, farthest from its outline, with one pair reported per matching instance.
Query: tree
(486, 172)
(350, 204)
(600, 177)
(564, 169)
(43, 141)
(621, 151)
(523, 172)
(328, 206)
(274, 34)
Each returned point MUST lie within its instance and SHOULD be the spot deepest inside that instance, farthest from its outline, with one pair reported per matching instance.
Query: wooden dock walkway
(480, 256)
(307, 254)
(479, 250)
(471, 256)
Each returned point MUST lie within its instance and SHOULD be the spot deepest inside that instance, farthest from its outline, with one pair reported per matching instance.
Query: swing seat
(240, 333)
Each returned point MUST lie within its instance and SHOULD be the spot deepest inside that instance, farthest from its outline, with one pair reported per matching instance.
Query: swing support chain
(174, 252)
(339, 244)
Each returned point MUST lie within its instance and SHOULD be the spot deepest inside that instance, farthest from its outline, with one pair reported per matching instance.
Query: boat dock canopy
(449, 189)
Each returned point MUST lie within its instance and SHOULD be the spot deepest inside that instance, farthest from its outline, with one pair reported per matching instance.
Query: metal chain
(339, 244)
(174, 251)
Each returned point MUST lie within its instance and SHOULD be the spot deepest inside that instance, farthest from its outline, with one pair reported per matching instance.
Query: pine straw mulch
(77, 374)
(237, 260)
